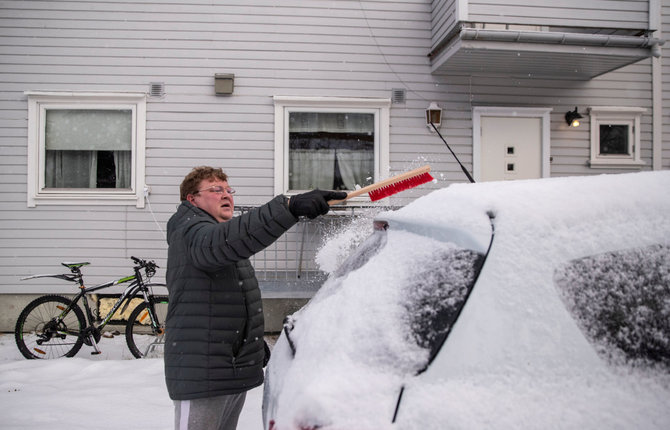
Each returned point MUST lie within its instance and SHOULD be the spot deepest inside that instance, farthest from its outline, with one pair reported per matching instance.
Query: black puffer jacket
(214, 328)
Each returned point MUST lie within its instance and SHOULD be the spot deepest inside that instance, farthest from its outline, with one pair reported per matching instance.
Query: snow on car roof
(534, 206)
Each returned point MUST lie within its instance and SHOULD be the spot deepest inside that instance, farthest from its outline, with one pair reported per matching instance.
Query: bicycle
(53, 326)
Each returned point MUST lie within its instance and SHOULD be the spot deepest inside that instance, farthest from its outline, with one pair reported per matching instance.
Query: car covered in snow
(524, 304)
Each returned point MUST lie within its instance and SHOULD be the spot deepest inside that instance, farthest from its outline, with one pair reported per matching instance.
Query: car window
(621, 301)
(437, 294)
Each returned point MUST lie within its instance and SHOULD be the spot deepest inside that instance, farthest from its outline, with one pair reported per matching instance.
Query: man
(214, 347)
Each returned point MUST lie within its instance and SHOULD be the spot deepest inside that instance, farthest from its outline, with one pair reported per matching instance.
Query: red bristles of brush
(397, 187)
(393, 185)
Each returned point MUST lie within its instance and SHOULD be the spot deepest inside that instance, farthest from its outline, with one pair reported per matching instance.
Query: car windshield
(363, 253)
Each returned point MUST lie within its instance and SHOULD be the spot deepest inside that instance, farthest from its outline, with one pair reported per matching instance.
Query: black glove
(313, 203)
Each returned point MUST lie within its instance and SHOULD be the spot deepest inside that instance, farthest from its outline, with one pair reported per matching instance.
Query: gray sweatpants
(211, 413)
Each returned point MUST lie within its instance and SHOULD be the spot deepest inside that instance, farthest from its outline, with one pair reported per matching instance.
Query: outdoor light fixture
(224, 83)
(433, 115)
(573, 117)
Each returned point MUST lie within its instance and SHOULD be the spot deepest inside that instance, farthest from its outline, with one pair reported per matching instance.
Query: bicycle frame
(130, 292)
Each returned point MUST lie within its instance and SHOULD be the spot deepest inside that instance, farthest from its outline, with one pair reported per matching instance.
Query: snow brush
(392, 185)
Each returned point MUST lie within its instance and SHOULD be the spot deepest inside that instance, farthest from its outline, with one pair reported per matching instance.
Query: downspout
(656, 90)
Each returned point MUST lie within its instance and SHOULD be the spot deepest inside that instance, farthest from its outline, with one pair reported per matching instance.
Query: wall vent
(157, 89)
(398, 95)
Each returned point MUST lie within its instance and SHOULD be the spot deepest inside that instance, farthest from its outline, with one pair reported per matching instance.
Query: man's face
(220, 205)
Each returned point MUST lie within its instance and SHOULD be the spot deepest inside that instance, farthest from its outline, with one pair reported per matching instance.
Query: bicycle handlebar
(149, 265)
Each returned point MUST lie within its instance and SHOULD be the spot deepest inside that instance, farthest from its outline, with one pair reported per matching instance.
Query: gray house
(106, 105)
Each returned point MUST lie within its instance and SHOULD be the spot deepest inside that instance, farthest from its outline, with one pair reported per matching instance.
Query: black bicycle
(53, 326)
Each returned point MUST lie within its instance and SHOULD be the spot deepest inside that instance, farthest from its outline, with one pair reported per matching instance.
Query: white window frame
(613, 115)
(286, 104)
(39, 102)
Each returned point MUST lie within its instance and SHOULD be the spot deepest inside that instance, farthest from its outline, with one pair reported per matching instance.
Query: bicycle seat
(70, 265)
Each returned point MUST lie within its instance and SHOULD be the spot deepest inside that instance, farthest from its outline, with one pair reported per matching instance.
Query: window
(621, 301)
(615, 137)
(329, 143)
(437, 293)
(86, 148)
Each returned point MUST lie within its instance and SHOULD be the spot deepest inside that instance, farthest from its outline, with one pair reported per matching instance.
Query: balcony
(541, 39)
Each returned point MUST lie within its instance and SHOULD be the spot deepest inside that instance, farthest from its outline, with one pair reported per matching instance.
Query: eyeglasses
(217, 189)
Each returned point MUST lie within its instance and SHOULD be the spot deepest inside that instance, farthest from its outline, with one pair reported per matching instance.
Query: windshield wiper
(289, 323)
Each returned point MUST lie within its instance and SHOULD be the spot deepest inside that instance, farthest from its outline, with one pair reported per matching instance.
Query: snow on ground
(108, 391)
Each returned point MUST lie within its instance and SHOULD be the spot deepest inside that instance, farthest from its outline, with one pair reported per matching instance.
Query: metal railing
(288, 267)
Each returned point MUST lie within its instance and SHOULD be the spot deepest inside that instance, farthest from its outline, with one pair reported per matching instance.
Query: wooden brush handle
(384, 183)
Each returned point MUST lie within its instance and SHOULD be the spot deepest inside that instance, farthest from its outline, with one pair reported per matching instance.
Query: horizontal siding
(443, 20)
(296, 48)
(325, 48)
(623, 14)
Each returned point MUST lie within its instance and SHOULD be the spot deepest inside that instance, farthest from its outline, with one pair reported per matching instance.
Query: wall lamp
(433, 115)
(572, 118)
(224, 83)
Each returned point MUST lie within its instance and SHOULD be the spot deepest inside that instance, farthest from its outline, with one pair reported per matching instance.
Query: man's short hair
(192, 181)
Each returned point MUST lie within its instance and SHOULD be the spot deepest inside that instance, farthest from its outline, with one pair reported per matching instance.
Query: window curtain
(356, 167)
(122, 161)
(71, 169)
(331, 150)
(311, 169)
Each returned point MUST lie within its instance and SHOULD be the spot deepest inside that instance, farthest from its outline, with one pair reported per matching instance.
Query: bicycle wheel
(39, 334)
(144, 333)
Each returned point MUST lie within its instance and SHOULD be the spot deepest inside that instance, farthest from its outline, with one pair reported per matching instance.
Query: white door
(511, 148)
